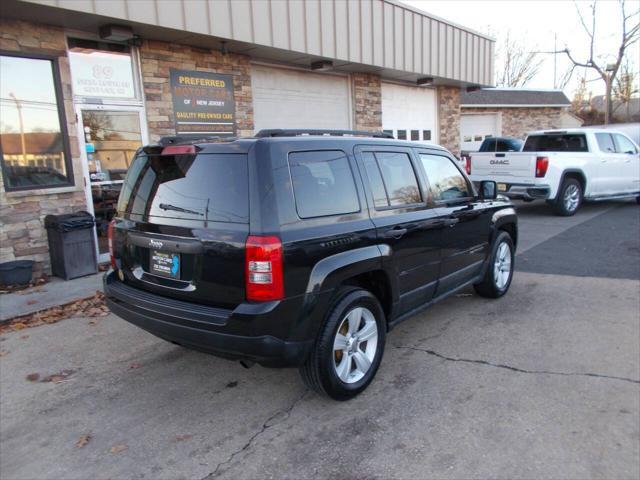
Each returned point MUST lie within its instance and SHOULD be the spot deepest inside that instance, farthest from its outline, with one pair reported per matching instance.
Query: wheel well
(579, 176)
(510, 228)
(377, 283)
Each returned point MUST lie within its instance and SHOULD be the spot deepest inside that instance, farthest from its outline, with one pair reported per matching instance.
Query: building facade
(85, 83)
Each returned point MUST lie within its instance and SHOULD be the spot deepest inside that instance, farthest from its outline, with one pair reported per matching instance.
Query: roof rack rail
(280, 132)
(175, 139)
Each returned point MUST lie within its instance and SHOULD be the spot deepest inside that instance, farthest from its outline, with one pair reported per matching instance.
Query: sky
(536, 22)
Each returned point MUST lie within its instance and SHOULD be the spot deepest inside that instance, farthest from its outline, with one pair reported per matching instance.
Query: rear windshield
(501, 145)
(207, 187)
(556, 143)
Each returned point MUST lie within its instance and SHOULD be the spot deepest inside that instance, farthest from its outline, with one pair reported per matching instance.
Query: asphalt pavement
(542, 383)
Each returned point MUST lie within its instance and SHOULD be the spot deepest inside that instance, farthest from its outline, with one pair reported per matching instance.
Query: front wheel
(569, 198)
(349, 349)
(497, 279)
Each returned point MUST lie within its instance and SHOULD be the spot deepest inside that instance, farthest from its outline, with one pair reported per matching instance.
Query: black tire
(560, 207)
(489, 287)
(319, 371)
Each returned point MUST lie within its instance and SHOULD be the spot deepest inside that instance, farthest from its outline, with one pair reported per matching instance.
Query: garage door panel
(292, 99)
(406, 109)
(474, 128)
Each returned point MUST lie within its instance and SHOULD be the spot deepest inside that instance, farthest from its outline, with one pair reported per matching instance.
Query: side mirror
(488, 190)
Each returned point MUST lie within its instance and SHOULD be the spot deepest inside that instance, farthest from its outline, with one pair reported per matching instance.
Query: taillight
(112, 255)
(542, 164)
(178, 150)
(467, 164)
(264, 268)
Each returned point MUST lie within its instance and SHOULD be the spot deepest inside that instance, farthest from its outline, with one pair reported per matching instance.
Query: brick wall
(367, 101)
(449, 118)
(22, 234)
(516, 122)
(157, 58)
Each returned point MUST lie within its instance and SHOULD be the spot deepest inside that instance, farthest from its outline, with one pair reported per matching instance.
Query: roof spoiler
(279, 132)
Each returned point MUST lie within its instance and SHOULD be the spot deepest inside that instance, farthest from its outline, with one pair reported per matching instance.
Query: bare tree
(625, 87)
(516, 64)
(607, 71)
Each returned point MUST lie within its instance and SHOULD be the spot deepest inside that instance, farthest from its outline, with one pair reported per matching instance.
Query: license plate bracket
(165, 264)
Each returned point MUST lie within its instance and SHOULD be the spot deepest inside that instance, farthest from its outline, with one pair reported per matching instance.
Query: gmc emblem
(155, 244)
(499, 162)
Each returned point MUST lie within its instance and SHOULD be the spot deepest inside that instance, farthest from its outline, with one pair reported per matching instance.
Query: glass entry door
(110, 138)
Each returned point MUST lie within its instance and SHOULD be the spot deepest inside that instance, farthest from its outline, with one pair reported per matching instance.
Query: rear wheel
(569, 198)
(349, 349)
(497, 279)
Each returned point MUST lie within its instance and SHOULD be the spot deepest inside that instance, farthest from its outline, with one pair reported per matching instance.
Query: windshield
(206, 187)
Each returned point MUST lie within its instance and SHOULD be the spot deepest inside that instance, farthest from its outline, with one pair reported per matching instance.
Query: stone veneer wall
(449, 118)
(516, 122)
(367, 101)
(22, 233)
(157, 58)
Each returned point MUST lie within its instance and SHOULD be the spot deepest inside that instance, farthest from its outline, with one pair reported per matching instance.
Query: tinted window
(445, 180)
(203, 187)
(380, 198)
(556, 143)
(399, 178)
(323, 183)
(426, 134)
(415, 135)
(624, 145)
(402, 134)
(605, 142)
(32, 137)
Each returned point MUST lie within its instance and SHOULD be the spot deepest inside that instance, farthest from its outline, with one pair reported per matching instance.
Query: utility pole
(555, 60)
(24, 148)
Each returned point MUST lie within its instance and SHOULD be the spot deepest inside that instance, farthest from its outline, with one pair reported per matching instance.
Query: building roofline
(511, 105)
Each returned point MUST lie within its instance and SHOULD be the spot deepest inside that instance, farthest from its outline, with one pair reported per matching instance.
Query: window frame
(57, 87)
(424, 192)
(353, 178)
(470, 187)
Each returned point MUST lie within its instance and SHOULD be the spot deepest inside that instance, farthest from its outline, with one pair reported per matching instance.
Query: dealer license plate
(502, 187)
(165, 264)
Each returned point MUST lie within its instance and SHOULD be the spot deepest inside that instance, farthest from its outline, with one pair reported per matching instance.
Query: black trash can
(72, 246)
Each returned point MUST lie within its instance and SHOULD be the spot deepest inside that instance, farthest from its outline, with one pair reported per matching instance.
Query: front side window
(624, 145)
(445, 180)
(605, 142)
(33, 142)
(323, 183)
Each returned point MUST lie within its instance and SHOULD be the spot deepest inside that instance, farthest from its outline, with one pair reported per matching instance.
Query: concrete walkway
(56, 292)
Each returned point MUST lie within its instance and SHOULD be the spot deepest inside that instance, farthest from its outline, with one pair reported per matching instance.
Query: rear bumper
(524, 191)
(206, 328)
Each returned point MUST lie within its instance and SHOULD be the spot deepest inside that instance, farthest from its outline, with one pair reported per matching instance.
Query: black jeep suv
(300, 248)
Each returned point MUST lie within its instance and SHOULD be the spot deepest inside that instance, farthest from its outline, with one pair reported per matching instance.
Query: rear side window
(572, 142)
(624, 145)
(323, 183)
(605, 142)
(392, 179)
(207, 187)
(445, 180)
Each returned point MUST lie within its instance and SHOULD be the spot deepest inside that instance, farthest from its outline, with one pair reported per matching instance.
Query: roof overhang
(515, 106)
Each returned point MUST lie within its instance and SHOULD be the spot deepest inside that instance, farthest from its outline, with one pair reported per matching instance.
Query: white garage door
(410, 113)
(292, 99)
(474, 128)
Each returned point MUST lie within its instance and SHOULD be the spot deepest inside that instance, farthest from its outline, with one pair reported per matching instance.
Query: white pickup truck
(564, 167)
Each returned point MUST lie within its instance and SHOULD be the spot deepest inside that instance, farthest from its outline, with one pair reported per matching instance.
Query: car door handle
(394, 233)
(451, 222)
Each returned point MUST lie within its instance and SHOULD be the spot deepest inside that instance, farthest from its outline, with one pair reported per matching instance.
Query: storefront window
(33, 140)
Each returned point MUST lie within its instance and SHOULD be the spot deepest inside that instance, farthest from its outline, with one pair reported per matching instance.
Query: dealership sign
(203, 103)
(102, 74)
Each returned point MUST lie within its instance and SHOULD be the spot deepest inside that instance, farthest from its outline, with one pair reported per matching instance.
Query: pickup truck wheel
(349, 348)
(569, 198)
(497, 279)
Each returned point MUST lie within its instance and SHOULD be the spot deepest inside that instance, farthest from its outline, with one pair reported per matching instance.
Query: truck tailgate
(516, 164)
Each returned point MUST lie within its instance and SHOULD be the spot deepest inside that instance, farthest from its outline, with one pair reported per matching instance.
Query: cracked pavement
(543, 383)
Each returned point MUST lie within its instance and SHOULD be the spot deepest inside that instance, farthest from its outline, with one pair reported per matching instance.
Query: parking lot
(544, 382)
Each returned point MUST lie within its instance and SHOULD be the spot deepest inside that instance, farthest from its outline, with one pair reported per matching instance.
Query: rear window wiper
(168, 206)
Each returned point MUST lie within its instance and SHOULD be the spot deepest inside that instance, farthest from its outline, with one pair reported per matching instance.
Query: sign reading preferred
(102, 74)
(203, 103)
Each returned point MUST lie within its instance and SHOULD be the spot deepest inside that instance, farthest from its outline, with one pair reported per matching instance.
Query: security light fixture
(424, 81)
(322, 65)
(475, 88)
(116, 33)
(223, 48)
